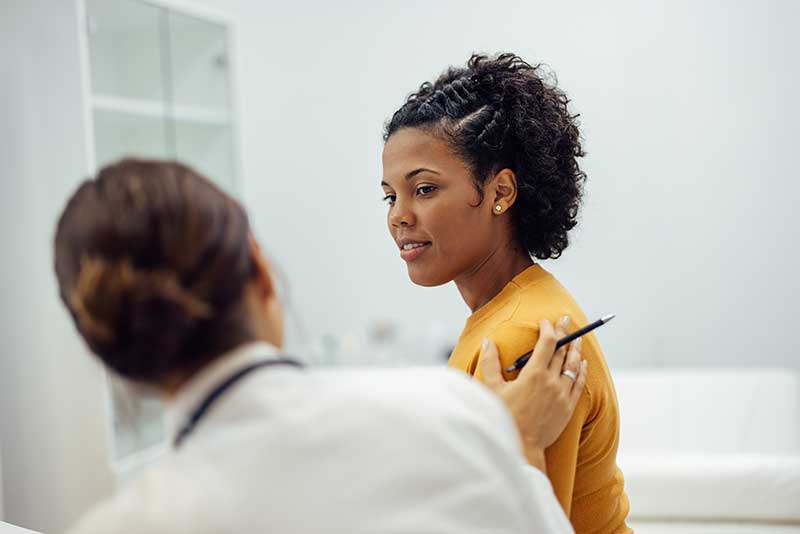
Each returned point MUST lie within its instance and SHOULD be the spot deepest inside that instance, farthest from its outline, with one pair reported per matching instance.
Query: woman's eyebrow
(415, 172)
(412, 174)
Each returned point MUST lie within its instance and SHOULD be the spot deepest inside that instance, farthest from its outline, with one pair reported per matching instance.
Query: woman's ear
(270, 323)
(262, 274)
(504, 189)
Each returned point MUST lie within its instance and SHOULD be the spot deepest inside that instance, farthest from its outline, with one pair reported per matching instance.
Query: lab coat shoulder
(474, 429)
(440, 391)
(438, 403)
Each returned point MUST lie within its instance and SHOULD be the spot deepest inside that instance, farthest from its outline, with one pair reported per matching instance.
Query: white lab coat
(302, 451)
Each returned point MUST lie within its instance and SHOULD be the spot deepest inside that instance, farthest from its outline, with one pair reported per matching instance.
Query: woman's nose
(401, 215)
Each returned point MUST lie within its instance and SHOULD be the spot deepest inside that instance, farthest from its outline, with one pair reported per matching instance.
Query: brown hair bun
(152, 261)
(121, 309)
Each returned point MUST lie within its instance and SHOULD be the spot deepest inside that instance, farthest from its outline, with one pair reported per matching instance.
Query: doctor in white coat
(159, 270)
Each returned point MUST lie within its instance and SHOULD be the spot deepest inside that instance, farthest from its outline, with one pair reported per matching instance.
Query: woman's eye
(426, 189)
(389, 199)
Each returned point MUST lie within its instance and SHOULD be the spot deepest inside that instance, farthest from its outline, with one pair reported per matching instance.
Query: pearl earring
(498, 208)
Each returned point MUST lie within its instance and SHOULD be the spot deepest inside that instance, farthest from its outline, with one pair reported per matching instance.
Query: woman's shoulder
(547, 299)
(518, 334)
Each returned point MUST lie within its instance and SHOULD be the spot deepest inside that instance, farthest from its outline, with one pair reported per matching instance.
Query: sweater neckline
(532, 275)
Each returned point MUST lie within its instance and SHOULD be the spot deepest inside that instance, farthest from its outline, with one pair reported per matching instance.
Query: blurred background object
(689, 113)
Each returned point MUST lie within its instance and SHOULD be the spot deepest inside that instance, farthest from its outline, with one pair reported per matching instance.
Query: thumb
(489, 363)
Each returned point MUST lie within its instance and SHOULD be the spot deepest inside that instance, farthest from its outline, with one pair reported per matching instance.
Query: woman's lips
(414, 253)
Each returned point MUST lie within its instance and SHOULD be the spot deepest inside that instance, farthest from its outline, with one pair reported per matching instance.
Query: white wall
(689, 112)
(52, 430)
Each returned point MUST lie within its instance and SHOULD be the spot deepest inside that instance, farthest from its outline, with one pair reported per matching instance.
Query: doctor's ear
(503, 191)
(262, 272)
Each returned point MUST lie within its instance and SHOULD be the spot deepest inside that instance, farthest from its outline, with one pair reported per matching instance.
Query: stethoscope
(218, 391)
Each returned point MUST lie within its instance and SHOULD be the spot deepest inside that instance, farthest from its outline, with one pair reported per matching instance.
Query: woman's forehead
(410, 149)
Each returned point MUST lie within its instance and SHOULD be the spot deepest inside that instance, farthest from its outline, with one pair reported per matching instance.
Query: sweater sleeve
(562, 456)
(513, 340)
(581, 464)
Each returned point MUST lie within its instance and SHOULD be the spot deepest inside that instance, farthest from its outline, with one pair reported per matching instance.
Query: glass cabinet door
(125, 49)
(160, 86)
(127, 73)
(198, 52)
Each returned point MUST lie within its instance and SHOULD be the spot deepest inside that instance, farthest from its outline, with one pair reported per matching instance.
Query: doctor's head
(160, 272)
(482, 161)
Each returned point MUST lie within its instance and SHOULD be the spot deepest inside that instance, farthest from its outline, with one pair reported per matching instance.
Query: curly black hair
(501, 112)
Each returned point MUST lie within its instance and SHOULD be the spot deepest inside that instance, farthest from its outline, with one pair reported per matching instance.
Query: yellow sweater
(581, 464)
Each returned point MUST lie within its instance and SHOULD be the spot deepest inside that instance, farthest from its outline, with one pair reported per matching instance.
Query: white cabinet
(159, 85)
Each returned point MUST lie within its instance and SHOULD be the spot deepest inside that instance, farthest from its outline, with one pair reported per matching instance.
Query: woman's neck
(481, 284)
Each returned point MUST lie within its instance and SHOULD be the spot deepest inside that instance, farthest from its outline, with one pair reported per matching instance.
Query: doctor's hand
(542, 398)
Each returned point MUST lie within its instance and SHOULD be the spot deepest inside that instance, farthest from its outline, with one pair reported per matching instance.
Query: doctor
(160, 273)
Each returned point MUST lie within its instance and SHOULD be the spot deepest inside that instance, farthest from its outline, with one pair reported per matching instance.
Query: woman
(481, 174)
(160, 273)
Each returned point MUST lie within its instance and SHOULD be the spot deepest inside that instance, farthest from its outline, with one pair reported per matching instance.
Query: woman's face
(434, 213)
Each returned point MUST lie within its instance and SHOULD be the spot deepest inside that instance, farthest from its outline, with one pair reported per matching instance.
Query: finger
(572, 365)
(543, 351)
(580, 383)
(558, 358)
(489, 363)
(562, 326)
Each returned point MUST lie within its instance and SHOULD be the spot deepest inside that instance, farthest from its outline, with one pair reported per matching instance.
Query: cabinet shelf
(158, 109)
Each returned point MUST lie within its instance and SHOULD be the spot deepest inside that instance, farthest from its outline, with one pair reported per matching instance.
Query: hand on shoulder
(544, 395)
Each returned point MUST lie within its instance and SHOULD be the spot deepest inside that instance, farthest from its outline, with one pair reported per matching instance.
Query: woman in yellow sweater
(481, 175)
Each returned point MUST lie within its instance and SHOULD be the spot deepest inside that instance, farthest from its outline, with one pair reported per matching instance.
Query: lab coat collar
(187, 399)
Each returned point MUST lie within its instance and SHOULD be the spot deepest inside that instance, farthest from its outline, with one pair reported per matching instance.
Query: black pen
(520, 363)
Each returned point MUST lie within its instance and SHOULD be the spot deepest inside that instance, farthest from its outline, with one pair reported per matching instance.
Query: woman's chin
(426, 278)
